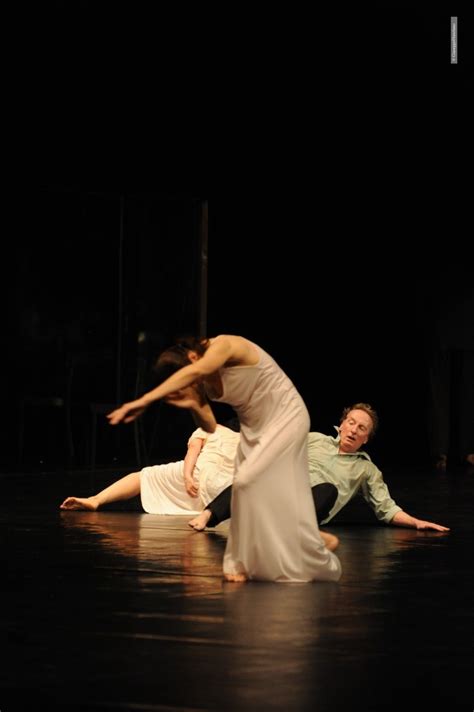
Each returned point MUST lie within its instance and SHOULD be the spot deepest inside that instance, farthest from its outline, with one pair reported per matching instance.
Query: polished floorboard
(120, 610)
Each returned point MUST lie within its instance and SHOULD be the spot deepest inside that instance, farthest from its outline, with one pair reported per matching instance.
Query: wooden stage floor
(119, 610)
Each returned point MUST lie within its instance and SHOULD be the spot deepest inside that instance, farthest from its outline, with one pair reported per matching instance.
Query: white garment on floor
(273, 534)
(162, 486)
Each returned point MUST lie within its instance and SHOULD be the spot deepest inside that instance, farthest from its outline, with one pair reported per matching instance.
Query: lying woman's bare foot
(236, 578)
(331, 541)
(90, 503)
(200, 522)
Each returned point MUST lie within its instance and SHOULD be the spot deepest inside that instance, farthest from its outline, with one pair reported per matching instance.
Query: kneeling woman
(274, 534)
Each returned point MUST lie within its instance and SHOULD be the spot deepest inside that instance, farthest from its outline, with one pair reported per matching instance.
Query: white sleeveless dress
(273, 533)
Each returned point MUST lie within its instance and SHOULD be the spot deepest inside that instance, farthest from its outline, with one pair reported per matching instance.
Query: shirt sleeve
(377, 495)
(315, 440)
(314, 437)
(198, 434)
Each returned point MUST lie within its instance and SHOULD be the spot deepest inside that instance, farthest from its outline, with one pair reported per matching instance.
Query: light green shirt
(349, 473)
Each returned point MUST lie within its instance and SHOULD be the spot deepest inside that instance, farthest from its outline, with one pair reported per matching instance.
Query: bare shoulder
(242, 352)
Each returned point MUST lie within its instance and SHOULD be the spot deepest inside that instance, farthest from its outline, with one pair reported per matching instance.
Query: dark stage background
(348, 317)
(338, 223)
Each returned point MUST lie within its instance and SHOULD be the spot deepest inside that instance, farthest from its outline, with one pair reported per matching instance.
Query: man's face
(354, 430)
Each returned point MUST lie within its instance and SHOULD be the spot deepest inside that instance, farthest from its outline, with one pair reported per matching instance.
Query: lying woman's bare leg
(331, 541)
(125, 488)
(200, 522)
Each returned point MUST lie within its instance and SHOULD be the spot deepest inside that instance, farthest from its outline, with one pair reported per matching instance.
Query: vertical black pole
(118, 382)
(203, 266)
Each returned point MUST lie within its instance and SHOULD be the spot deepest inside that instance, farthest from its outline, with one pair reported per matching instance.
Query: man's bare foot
(236, 578)
(331, 541)
(90, 503)
(200, 522)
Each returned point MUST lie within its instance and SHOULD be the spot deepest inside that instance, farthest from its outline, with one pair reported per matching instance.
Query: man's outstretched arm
(402, 519)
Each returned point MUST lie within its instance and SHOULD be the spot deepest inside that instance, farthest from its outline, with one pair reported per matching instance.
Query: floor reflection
(368, 552)
(165, 549)
(167, 544)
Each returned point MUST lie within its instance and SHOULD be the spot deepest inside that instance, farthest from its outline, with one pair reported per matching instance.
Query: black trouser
(324, 497)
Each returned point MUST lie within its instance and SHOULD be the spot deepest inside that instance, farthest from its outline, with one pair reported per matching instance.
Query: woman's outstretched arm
(220, 351)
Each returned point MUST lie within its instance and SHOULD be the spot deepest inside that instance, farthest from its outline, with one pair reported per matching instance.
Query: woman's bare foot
(90, 503)
(331, 541)
(200, 522)
(236, 578)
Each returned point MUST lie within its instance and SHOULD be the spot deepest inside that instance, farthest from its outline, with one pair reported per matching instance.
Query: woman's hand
(191, 486)
(126, 413)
